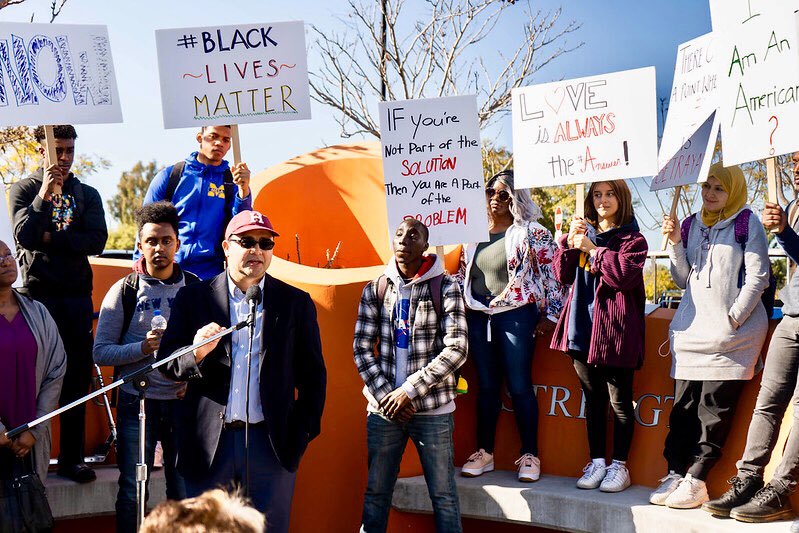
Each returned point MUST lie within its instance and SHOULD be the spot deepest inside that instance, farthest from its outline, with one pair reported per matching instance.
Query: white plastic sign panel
(692, 161)
(586, 129)
(432, 166)
(694, 95)
(237, 74)
(56, 74)
(758, 54)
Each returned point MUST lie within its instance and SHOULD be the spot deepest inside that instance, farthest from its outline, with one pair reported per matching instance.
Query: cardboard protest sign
(758, 54)
(586, 129)
(237, 74)
(432, 166)
(694, 95)
(56, 74)
(692, 161)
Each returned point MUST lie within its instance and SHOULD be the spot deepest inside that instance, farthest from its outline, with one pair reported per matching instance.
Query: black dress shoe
(79, 473)
(742, 490)
(767, 505)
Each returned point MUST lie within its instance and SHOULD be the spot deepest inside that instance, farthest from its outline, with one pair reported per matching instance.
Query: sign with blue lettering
(56, 74)
(233, 74)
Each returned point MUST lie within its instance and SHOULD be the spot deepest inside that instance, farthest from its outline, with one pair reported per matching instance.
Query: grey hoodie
(705, 342)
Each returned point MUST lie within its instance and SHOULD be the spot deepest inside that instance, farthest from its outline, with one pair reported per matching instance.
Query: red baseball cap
(248, 221)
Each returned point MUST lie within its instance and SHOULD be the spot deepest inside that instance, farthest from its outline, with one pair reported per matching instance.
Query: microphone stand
(251, 331)
(140, 382)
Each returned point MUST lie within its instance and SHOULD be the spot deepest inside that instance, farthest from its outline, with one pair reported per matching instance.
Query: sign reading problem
(233, 74)
(759, 69)
(56, 74)
(432, 166)
(587, 129)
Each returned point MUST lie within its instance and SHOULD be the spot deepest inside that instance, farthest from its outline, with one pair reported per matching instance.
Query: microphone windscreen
(253, 294)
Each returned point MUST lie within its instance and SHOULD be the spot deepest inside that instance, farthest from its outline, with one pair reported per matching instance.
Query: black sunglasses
(249, 242)
(502, 195)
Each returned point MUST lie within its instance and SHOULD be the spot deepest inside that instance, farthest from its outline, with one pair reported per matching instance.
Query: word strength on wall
(759, 67)
(56, 73)
(586, 129)
(233, 74)
(432, 166)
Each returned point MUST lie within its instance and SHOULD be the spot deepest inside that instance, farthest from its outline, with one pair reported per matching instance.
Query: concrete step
(554, 502)
(73, 500)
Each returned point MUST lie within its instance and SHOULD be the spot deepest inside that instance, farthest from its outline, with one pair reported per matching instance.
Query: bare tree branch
(439, 54)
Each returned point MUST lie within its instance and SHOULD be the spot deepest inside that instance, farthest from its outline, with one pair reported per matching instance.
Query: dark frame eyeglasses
(502, 196)
(264, 243)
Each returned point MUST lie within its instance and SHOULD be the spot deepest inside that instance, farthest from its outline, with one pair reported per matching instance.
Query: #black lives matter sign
(236, 74)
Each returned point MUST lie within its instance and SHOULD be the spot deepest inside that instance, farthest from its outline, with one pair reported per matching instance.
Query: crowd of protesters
(201, 263)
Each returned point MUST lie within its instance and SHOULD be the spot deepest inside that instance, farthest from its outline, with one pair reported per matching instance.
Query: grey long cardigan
(704, 340)
(51, 364)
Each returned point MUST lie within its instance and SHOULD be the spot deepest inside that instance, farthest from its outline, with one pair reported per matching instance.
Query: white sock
(600, 462)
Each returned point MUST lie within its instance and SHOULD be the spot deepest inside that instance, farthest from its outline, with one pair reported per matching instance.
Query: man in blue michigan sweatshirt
(207, 193)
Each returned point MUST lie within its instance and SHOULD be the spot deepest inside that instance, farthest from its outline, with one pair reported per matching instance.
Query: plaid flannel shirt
(437, 347)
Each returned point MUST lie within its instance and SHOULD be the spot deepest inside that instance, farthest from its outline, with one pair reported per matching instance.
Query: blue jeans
(508, 356)
(386, 440)
(160, 423)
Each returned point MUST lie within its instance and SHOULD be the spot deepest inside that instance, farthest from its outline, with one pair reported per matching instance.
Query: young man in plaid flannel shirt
(410, 382)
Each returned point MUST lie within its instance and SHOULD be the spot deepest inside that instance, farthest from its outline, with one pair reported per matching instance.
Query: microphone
(253, 297)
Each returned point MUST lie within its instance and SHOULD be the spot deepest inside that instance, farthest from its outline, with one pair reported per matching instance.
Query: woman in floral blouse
(508, 286)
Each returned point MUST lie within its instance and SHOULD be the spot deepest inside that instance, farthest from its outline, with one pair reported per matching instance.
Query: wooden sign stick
(771, 182)
(235, 143)
(579, 199)
(673, 214)
(51, 154)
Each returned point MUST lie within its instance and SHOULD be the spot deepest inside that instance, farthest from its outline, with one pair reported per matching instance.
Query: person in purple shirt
(602, 326)
(32, 367)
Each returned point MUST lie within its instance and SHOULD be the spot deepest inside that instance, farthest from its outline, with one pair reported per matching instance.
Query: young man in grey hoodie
(417, 313)
(125, 340)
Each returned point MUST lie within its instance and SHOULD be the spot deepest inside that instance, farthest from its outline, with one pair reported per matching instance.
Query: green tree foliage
(122, 206)
(20, 157)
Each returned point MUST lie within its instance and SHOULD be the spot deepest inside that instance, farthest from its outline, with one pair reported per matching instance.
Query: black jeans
(73, 316)
(699, 423)
(603, 385)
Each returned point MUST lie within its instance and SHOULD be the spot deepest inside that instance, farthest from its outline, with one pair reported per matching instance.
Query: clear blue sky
(618, 35)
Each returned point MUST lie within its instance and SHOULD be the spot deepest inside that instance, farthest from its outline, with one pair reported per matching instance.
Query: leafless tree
(55, 7)
(446, 51)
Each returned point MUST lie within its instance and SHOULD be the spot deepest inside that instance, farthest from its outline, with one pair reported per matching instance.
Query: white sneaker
(479, 462)
(529, 467)
(593, 474)
(617, 478)
(690, 493)
(668, 484)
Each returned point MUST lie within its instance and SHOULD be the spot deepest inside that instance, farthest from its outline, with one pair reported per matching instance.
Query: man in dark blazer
(287, 382)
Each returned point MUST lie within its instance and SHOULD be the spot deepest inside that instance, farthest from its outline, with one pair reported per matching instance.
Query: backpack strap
(436, 285)
(685, 229)
(742, 227)
(230, 193)
(174, 177)
(130, 288)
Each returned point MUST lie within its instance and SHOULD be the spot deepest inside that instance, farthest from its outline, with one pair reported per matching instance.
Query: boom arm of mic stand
(124, 379)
